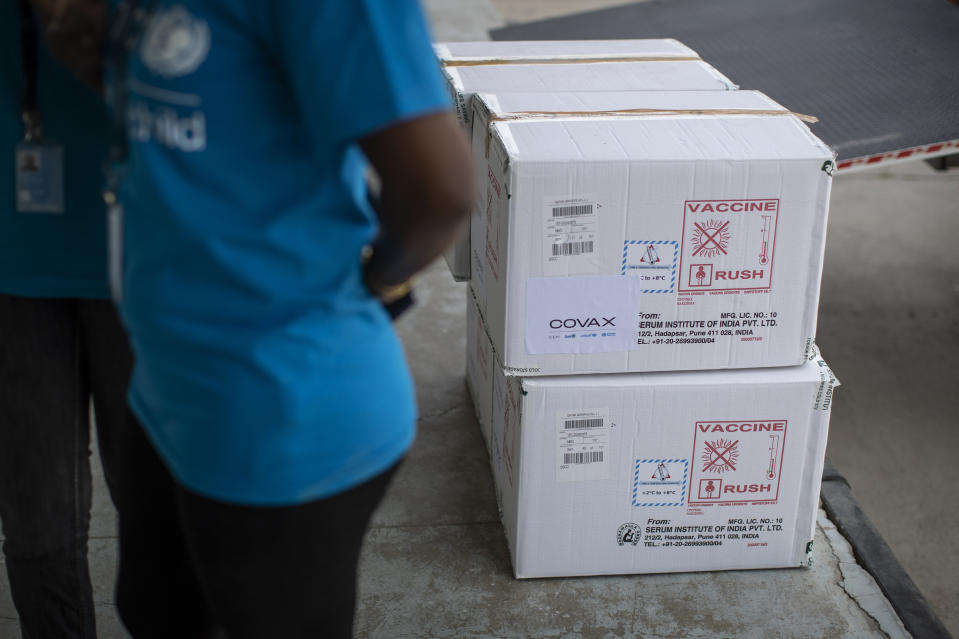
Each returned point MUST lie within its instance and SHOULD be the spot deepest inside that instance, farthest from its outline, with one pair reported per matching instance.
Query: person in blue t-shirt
(273, 393)
(61, 342)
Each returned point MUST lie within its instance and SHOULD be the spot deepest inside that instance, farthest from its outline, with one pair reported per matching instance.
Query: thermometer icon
(764, 253)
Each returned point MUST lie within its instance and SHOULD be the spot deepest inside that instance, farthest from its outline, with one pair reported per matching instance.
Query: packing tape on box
(556, 115)
(480, 62)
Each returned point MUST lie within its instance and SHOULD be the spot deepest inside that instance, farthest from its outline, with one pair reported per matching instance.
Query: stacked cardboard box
(644, 282)
(683, 232)
(654, 472)
(560, 66)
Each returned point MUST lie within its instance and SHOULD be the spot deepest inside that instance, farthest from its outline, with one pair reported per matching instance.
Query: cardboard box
(480, 362)
(547, 66)
(489, 51)
(620, 242)
(598, 65)
(660, 472)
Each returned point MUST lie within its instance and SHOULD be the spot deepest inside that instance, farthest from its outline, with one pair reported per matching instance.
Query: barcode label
(594, 457)
(583, 439)
(570, 211)
(571, 234)
(571, 424)
(572, 248)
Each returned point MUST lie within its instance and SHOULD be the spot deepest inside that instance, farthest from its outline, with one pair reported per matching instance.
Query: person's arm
(364, 72)
(427, 187)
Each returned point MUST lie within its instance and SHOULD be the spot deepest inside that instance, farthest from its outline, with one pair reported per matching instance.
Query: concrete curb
(877, 558)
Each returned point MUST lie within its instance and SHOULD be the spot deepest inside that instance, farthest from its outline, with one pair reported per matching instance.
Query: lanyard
(123, 36)
(29, 103)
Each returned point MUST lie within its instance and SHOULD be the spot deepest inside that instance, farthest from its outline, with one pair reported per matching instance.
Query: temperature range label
(653, 262)
(660, 482)
(728, 245)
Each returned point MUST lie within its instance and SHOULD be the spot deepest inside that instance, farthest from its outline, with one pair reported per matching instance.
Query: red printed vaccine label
(728, 245)
(739, 461)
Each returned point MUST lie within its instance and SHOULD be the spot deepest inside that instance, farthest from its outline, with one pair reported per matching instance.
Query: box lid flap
(552, 49)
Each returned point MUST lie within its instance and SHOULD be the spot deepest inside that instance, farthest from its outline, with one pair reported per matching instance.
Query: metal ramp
(882, 76)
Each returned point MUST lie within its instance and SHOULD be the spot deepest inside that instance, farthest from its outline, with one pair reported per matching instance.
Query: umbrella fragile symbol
(650, 256)
(662, 473)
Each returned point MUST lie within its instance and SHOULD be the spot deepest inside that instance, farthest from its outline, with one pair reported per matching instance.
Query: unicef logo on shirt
(175, 43)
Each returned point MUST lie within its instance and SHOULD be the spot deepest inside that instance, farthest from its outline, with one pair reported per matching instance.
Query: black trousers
(55, 356)
(192, 567)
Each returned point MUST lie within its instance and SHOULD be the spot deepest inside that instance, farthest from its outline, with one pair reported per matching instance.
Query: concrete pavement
(436, 564)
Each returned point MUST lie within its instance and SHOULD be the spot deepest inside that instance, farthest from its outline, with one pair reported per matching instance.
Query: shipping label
(586, 314)
(728, 245)
(571, 236)
(582, 445)
(737, 461)
(666, 535)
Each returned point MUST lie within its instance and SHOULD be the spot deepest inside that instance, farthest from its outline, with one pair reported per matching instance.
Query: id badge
(39, 179)
(115, 250)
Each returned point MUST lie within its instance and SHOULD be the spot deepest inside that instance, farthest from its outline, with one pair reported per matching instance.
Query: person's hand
(74, 30)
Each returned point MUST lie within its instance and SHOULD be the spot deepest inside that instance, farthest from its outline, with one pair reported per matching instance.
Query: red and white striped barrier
(924, 152)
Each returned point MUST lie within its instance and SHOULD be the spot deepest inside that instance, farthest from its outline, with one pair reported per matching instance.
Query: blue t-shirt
(44, 254)
(265, 372)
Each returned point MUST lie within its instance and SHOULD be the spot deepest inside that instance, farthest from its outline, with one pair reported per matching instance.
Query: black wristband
(400, 306)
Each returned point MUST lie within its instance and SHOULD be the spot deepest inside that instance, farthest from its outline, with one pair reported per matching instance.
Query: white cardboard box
(588, 65)
(660, 472)
(480, 362)
(552, 50)
(622, 243)
(546, 66)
